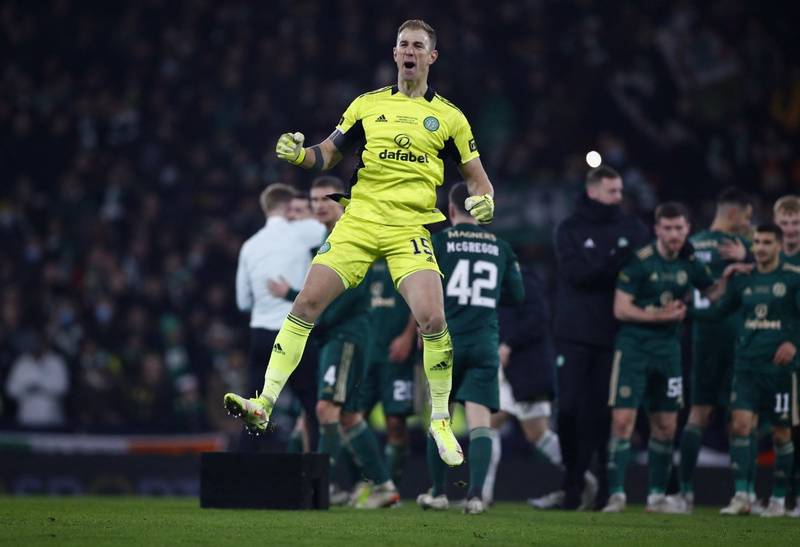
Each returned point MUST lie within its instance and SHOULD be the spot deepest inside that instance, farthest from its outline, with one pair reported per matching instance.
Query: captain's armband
(338, 139)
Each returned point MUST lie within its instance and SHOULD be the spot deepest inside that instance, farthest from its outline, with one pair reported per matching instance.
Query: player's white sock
(494, 462)
(549, 446)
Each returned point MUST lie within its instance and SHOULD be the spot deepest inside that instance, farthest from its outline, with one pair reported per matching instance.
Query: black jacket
(591, 245)
(531, 370)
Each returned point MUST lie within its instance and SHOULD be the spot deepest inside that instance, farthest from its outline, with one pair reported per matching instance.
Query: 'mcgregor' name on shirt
(476, 247)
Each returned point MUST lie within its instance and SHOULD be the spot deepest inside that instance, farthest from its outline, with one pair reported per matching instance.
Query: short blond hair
(789, 205)
(419, 24)
(276, 195)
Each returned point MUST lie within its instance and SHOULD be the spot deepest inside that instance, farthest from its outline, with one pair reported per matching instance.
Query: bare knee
(307, 306)
(781, 435)
(350, 419)
(741, 425)
(396, 430)
(431, 321)
(699, 416)
(328, 412)
(534, 429)
(663, 425)
(498, 419)
(477, 415)
(663, 431)
(622, 422)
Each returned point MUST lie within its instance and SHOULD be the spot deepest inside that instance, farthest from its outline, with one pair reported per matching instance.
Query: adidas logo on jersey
(381, 118)
(401, 155)
(442, 365)
(278, 349)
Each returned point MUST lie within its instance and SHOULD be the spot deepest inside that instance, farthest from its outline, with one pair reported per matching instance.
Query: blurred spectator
(133, 136)
(228, 375)
(38, 382)
(190, 414)
(149, 397)
(100, 380)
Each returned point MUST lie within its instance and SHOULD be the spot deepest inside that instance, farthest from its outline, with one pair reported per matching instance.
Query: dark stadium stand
(135, 137)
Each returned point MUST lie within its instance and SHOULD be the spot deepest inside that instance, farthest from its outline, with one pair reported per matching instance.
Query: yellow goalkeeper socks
(437, 359)
(286, 353)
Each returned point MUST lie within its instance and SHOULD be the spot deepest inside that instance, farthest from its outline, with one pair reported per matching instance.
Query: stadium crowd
(137, 137)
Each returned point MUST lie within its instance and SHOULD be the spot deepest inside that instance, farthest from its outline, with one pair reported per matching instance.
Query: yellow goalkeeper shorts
(355, 243)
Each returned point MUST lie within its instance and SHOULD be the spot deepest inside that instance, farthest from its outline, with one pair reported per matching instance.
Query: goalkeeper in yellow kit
(403, 134)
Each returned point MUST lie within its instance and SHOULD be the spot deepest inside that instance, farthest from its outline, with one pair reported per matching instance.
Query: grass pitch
(30, 521)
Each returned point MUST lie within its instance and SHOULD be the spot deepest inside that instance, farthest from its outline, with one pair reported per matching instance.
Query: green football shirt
(479, 270)
(706, 250)
(769, 313)
(654, 282)
(794, 259)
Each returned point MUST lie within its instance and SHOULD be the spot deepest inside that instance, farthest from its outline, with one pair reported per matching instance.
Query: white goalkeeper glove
(480, 207)
(290, 148)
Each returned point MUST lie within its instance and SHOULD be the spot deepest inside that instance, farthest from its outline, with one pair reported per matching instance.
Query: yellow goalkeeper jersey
(403, 144)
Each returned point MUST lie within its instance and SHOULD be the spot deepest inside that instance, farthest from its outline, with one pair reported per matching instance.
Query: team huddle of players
(746, 309)
(741, 286)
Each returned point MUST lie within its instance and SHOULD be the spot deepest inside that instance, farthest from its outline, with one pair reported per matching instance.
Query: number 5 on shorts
(675, 387)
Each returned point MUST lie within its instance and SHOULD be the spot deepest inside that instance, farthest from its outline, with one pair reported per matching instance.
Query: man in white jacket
(281, 252)
(38, 381)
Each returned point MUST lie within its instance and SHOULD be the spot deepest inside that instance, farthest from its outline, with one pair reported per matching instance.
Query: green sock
(691, 440)
(741, 460)
(365, 449)
(295, 444)
(347, 459)
(784, 459)
(480, 454)
(796, 475)
(396, 456)
(751, 473)
(329, 441)
(437, 359)
(619, 452)
(437, 468)
(659, 464)
(286, 353)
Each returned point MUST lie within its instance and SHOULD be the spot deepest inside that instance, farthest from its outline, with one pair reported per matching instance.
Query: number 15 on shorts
(421, 245)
